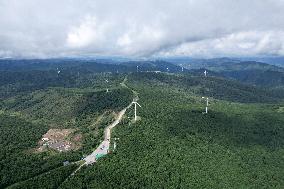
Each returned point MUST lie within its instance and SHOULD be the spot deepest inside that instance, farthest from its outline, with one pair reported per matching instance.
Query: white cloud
(140, 40)
(141, 28)
(89, 32)
(247, 43)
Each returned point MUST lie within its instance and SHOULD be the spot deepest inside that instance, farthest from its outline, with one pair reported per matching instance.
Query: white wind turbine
(107, 88)
(135, 109)
(58, 71)
(205, 73)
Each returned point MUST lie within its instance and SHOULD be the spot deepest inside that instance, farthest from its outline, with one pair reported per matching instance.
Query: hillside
(26, 117)
(254, 73)
(176, 146)
(215, 87)
(86, 65)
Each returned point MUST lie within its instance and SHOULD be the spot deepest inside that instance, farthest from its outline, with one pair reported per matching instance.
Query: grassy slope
(175, 146)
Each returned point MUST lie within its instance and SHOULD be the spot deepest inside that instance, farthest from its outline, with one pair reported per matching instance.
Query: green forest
(238, 144)
(176, 146)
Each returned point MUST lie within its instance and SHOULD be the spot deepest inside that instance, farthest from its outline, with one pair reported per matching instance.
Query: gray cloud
(50, 28)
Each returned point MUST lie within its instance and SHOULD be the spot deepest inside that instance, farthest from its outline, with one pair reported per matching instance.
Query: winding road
(104, 146)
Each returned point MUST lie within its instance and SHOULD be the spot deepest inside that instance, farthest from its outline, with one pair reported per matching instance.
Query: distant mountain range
(245, 70)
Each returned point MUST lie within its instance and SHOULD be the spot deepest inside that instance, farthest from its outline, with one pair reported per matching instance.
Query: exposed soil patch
(61, 140)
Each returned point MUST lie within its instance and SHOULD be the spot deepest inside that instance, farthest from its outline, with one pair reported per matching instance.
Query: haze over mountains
(249, 70)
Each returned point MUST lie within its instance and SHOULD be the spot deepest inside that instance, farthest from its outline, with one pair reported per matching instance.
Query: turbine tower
(181, 67)
(207, 104)
(135, 109)
(107, 88)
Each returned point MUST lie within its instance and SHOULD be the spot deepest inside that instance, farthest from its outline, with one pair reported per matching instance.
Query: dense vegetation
(249, 72)
(215, 87)
(51, 179)
(256, 72)
(28, 112)
(18, 138)
(14, 83)
(239, 144)
(176, 146)
(102, 101)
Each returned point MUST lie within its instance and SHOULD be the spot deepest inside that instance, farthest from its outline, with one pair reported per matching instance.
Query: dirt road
(103, 148)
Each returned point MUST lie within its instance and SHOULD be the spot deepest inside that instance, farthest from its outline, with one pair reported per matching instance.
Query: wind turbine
(114, 143)
(135, 109)
(205, 73)
(58, 71)
(167, 69)
(207, 103)
(181, 67)
(137, 67)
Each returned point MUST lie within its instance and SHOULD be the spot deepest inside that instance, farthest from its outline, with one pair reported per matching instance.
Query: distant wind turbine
(58, 72)
(107, 88)
(181, 67)
(205, 73)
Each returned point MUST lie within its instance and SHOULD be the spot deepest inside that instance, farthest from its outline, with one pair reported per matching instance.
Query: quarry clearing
(61, 140)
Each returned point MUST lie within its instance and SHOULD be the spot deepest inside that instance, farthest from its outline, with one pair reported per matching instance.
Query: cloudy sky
(141, 28)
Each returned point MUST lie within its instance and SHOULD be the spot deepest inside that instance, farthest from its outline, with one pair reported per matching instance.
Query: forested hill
(250, 72)
(216, 87)
(255, 73)
(23, 76)
(26, 116)
(242, 66)
(156, 65)
(175, 145)
(85, 66)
